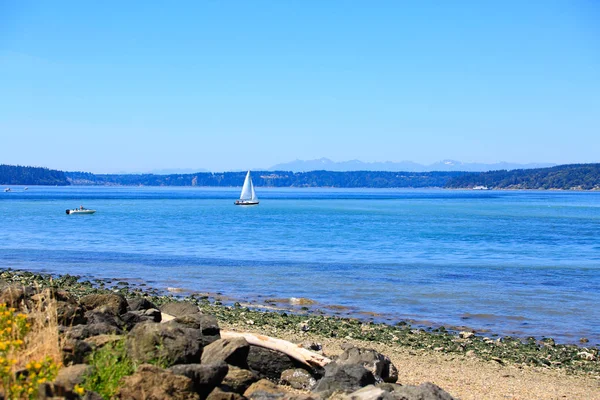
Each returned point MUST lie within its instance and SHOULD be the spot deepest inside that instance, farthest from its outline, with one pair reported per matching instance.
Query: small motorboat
(80, 210)
(7, 190)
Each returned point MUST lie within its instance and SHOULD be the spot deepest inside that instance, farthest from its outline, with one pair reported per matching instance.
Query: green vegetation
(110, 364)
(354, 179)
(566, 177)
(18, 175)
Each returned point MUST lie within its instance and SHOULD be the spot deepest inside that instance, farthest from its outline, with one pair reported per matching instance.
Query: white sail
(254, 198)
(247, 189)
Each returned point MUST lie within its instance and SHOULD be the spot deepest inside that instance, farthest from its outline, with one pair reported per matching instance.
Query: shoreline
(582, 358)
(309, 307)
(468, 366)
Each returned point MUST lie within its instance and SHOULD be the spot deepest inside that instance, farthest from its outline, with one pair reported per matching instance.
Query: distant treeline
(353, 179)
(18, 175)
(573, 176)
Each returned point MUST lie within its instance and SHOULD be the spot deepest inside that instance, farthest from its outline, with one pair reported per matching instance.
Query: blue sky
(135, 86)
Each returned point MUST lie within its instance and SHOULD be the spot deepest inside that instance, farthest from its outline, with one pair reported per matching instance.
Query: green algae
(506, 350)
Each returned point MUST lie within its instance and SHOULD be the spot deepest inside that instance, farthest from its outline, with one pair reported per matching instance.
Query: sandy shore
(466, 378)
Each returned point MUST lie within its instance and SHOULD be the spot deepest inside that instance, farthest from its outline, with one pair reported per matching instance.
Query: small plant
(19, 373)
(110, 364)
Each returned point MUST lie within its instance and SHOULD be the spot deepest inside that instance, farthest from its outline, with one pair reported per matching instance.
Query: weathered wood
(293, 350)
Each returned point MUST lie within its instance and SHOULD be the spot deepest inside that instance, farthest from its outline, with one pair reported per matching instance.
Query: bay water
(519, 263)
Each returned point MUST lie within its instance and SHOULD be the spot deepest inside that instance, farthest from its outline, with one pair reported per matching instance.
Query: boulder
(15, 295)
(207, 324)
(344, 378)
(166, 343)
(179, 308)
(264, 390)
(98, 317)
(219, 394)
(69, 314)
(233, 351)
(111, 303)
(370, 392)
(425, 391)
(81, 332)
(132, 318)
(298, 378)
(75, 351)
(269, 363)
(205, 377)
(73, 375)
(379, 365)
(102, 340)
(238, 380)
(151, 382)
(140, 303)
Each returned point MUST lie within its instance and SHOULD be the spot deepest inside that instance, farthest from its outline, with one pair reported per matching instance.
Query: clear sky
(133, 86)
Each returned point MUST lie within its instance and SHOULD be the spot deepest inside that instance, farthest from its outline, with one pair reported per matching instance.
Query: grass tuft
(110, 364)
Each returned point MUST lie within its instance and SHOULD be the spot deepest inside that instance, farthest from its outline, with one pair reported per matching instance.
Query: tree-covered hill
(572, 176)
(18, 175)
(354, 179)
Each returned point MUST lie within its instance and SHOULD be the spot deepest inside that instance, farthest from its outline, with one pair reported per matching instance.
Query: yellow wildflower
(79, 390)
(42, 380)
(37, 365)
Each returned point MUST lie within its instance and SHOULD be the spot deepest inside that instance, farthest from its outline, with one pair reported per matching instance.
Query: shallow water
(513, 263)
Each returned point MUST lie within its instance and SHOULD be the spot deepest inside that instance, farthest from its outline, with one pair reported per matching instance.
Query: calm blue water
(513, 263)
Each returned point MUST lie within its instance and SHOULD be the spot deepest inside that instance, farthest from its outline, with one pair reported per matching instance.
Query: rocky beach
(117, 340)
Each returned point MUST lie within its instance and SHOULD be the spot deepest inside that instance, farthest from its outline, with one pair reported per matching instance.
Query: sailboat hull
(246, 202)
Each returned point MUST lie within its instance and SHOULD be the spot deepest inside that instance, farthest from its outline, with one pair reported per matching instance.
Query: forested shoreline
(563, 177)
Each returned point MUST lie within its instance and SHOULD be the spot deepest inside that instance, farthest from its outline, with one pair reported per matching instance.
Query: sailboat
(248, 196)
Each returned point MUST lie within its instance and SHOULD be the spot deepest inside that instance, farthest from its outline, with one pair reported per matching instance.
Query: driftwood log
(290, 349)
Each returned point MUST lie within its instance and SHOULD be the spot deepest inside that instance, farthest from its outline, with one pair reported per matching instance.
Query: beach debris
(466, 335)
(283, 346)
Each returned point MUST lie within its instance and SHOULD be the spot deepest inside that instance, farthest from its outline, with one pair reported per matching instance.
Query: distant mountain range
(325, 164)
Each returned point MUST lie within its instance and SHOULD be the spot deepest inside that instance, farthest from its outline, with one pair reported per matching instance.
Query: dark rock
(85, 331)
(207, 324)
(205, 377)
(344, 378)
(379, 365)
(132, 318)
(150, 382)
(97, 317)
(140, 303)
(69, 313)
(114, 304)
(298, 378)
(238, 380)
(75, 351)
(270, 364)
(169, 344)
(70, 376)
(153, 314)
(425, 391)
(219, 394)
(232, 351)
(370, 392)
(179, 308)
(102, 340)
(264, 390)
(16, 295)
